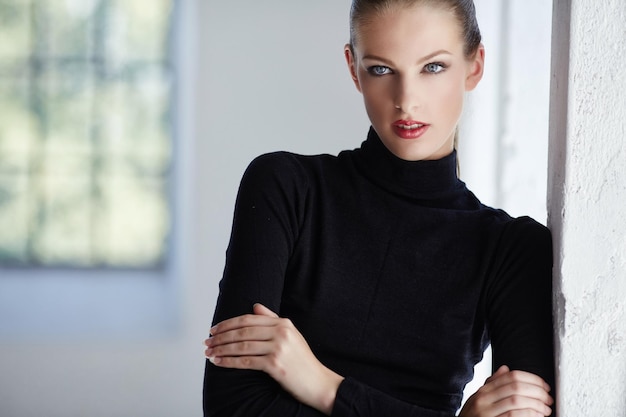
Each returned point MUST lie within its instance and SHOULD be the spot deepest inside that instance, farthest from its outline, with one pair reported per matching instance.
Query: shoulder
(273, 163)
(522, 262)
(289, 167)
(285, 174)
(524, 248)
(288, 162)
(275, 167)
(525, 231)
(512, 230)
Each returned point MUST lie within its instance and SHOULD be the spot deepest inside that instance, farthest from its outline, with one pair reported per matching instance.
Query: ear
(476, 67)
(350, 60)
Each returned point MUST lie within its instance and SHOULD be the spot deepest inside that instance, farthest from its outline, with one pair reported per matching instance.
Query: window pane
(15, 31)
(135, 134)
(63, 222)
(19, 137)
(14, 219)
(134, 233)
(68, 106)
(69, 25)
(137, 32)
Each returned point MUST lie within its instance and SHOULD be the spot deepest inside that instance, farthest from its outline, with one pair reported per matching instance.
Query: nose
(407, 98)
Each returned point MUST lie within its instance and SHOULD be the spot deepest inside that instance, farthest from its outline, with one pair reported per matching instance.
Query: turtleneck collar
(416, 179)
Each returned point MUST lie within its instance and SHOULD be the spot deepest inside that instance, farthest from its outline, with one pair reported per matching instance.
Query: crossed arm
(264, 342)
(262, 365)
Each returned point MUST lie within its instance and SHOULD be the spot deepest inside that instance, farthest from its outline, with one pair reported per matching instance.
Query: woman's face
(410, 67)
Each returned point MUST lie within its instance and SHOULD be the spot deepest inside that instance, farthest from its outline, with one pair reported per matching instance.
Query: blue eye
(378, 70)
(434, 67)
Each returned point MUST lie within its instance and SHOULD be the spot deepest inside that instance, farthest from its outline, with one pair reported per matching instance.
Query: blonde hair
(363, 11)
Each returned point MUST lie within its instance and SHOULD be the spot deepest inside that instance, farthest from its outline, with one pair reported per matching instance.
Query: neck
(415, 179)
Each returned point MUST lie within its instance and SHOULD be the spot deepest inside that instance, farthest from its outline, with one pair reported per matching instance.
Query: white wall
(504, 144)
(587, 209)
(259, 76)
(272, 77)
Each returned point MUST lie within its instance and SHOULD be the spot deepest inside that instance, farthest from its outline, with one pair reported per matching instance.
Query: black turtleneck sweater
(394, 272)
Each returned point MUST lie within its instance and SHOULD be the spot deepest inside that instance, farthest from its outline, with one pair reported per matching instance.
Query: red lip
(409, 129)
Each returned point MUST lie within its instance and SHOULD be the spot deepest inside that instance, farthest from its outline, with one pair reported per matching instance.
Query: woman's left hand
(509, 393)
(265, 342)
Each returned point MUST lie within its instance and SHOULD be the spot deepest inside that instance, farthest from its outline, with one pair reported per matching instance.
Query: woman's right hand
(265, 342)
(510, 394)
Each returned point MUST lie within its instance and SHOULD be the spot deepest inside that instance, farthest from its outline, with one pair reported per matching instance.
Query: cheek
(451, 96)
(376, 96)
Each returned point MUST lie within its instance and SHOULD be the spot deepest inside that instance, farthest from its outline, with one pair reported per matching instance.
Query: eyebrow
(426, 58)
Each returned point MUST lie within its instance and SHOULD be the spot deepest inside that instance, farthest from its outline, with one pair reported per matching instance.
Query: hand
(265, 342)
(510, 394)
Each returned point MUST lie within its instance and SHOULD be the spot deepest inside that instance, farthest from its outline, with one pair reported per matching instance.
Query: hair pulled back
(363, 11)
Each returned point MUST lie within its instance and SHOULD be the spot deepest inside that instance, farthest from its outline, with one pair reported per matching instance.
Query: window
(85, 138)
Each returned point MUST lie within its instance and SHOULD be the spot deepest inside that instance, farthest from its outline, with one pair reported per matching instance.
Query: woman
(369, 284)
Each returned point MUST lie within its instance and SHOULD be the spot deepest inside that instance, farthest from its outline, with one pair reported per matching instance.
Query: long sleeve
(393, 272)
(267, 220)
(265, 227)
(519, 317)
(519, 302)
(355, 399)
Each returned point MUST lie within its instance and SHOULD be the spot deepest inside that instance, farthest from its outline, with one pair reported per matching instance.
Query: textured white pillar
(587, 204)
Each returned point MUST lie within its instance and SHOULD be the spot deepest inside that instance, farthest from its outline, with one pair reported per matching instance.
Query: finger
(260, 309)
(247, 348)
(521, 405)
(496, 381)
(525, 390)
(515, 405)
(515, 396)
(255, 333)
(247, 320)
(501, 371)
(257, 363)
(514, 392)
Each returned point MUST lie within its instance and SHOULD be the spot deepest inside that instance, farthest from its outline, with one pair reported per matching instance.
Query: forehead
(410, 29)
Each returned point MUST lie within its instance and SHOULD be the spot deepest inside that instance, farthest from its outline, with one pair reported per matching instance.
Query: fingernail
(214, 360)
(208, 353)
(213, 330)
